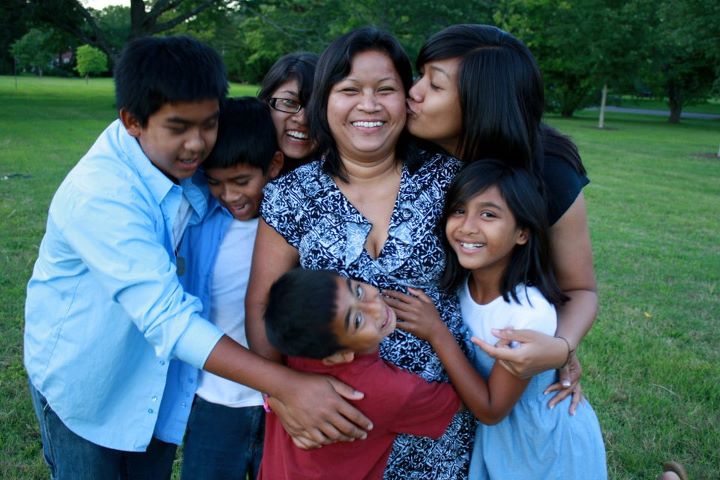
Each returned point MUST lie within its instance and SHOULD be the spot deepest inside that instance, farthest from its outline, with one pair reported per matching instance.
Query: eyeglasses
(286, 105)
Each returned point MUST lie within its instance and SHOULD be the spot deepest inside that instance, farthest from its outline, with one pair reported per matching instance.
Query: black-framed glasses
(287, 105)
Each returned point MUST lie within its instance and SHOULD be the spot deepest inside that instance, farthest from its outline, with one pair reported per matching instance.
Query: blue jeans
(71, 457)
(223, 442)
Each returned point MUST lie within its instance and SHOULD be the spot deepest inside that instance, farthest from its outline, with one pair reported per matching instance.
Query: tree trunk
(567, 112)
(603, 102)
(675, 101)
(138, 26)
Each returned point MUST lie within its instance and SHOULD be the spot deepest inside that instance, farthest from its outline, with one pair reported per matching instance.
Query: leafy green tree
(612, 27)
(581, 46)
(114, 22)
(90, 60)
(13, 25)
(147, 17)
(31, 51)
(683, 50)
(271, 28)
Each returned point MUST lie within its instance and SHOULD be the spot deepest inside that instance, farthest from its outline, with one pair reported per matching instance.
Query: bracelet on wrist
(570, 353)
(266, 405)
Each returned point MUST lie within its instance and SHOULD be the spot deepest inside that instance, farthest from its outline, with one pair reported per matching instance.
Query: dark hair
(153, 71)
(335, 64)
(529, 263)
(501, 97)
(246, 135)
(300, 311)
(298, 66)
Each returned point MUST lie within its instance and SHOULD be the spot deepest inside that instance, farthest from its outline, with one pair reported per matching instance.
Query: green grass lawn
(651, 362)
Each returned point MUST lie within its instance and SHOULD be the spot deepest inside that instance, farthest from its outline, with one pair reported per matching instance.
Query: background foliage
(90, 60)
(666, 49)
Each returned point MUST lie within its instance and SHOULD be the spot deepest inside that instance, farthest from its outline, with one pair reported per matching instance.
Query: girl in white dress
(498, 260)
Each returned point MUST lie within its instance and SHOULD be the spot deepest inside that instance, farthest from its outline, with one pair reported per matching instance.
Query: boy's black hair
(246, 135)
(501, 97)
(298, 66)
(300, 312)
(334, 64)
(530, 263)
(153, 71)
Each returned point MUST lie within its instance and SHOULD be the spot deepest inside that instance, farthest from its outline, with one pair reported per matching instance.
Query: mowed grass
(651, 362)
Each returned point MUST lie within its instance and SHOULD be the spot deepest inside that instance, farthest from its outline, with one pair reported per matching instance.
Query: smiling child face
(362, 317)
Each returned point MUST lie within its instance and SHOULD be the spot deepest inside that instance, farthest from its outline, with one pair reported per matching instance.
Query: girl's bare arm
(490, 401)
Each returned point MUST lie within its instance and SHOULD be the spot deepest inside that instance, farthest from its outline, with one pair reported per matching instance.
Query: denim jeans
(223, 442)
(71, 457)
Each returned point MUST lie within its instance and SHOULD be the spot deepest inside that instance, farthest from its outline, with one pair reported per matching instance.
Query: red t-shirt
(395, 400)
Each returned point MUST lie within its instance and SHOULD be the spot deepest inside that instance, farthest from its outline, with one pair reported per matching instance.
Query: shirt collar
(194, 189)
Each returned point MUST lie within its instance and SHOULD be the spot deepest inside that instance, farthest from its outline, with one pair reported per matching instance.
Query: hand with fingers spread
(317, 414)
(416, 312)
(568, 384)
(533, 353)
(536, 352)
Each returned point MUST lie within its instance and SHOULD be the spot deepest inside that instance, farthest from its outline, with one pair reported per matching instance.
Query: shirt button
(183, 404)
(162, 362)
(154, 398)
(150, 410)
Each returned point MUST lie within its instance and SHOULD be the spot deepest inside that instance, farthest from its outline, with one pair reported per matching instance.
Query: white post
(603, 101)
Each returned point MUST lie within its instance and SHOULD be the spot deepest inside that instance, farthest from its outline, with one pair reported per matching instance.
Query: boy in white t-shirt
(224, 434)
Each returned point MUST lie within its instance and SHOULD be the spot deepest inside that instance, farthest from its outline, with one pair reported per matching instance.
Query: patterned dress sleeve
(282, 205)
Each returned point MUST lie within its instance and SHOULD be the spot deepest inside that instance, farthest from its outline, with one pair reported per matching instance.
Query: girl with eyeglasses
(286, 89)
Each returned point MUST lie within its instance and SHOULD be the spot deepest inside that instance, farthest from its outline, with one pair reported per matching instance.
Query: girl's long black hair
(530, 263)
(501, 96)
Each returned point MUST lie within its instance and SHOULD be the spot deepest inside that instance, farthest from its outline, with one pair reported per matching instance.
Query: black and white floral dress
(311, 213)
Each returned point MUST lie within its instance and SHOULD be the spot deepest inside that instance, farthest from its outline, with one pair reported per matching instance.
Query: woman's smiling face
(366, 110)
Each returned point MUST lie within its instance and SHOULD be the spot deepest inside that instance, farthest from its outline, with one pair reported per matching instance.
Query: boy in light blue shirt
(107, 323)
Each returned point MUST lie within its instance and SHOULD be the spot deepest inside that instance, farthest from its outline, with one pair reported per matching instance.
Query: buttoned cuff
(196, 343)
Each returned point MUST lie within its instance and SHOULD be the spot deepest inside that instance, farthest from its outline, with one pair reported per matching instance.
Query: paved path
(659, 113)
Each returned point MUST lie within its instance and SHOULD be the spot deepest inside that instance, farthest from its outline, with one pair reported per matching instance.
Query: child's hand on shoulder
(416, 313)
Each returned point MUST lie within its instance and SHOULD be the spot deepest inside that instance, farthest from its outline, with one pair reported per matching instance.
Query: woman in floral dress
(367, 209)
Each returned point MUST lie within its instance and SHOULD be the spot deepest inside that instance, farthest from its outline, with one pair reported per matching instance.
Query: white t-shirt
(533, 312)
(229, 284)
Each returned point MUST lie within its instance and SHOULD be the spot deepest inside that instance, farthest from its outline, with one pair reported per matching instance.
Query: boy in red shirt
(332, 325)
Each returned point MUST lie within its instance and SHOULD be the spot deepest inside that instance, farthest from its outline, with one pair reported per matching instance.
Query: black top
(563, 184)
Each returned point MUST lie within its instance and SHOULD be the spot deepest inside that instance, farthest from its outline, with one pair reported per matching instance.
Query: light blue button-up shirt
(199, 250)
(105, 313)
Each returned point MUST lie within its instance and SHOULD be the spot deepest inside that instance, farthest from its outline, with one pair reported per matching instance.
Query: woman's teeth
(368, 124)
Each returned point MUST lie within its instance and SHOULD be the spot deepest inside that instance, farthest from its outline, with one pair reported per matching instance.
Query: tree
(147, 17)
(90, 60)
(114, 22)
(683, 50)
(271, 28)
(581, 46)
(613, 27)
(13, 25)
(31, 51)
